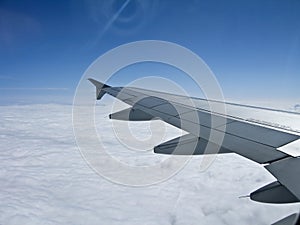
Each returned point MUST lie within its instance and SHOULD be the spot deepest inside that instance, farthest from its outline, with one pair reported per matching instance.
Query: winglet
(99, 88)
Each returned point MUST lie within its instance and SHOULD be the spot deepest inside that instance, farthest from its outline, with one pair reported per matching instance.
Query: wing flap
(189, 145)
(273, 193)
(292, 219)
(287, 173)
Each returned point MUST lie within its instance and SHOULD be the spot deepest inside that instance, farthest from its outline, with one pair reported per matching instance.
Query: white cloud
(297, 107)
(44, 180)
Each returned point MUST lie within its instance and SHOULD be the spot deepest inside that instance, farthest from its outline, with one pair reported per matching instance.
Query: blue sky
(252, 47)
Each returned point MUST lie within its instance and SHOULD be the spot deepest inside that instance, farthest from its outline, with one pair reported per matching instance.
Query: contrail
(113, 19)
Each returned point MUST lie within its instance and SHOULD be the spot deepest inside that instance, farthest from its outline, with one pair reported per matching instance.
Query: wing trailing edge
(189, 145)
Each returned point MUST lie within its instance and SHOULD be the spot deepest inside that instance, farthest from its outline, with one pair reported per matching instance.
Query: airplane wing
(254, 141)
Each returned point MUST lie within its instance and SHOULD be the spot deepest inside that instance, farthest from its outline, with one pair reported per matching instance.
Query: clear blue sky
(253, 47)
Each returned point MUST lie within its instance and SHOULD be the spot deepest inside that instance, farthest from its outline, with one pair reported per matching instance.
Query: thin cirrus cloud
(5, 78)
(115, 17)
(95, 16)
(123, 19)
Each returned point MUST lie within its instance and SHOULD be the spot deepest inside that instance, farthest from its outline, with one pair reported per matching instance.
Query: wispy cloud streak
(113, 19)
(7, 78)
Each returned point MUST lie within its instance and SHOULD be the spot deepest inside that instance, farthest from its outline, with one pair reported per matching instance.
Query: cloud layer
(45, 180)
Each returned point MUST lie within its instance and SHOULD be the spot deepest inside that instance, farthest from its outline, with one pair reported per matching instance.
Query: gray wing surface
(289, 220)
(251, 140)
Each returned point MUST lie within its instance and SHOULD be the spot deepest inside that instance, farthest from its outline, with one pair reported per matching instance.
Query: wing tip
(98, 84)
(99, 88)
